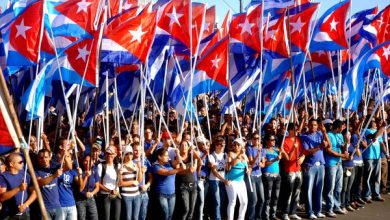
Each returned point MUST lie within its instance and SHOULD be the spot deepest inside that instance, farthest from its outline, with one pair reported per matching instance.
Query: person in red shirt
(292, 177)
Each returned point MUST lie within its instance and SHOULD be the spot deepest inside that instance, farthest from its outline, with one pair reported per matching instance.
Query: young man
(12, 186)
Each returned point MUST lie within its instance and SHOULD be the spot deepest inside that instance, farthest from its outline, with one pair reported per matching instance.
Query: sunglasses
(256, 138)
(20, 162)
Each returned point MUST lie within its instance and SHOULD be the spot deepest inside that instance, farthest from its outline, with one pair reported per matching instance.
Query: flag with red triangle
(130, 42)
(25, 35)
(275, 40)
(329, 32)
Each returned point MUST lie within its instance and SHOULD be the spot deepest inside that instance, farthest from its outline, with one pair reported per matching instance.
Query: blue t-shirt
(164, 184)
(310, 141)
(373, 151)
(50, 193)
(274, 167)
(148, 166)
(91, 182)
(349, 163)
(252, 152)
(65, 190)
(336, 142)
(204, 169)
(237, 172)
(11, 181)
(148, 145)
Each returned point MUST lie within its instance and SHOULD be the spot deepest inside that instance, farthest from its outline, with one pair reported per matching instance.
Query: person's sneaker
(295, 217)
(312, 216)
(285, 217)
(320, 215)
(350, 208)
(378, 199)
(341, 211)
(331, 215)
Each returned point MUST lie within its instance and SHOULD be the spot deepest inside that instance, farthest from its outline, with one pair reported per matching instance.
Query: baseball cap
(239, 141)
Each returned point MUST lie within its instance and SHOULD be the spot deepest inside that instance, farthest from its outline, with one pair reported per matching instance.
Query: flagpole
(22, 142)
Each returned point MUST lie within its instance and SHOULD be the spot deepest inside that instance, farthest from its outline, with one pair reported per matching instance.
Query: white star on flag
(246, 27)
(174, 17)
(333, 25)
(83, 6)
(21, 29)
(216, 62)
(271, 34)
(206, 26)
(83, 53)
(386, 52)
(381, 22)
(297, 26)
(137, 35)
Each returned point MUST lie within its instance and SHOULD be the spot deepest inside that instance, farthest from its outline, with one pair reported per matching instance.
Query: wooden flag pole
(15, 121)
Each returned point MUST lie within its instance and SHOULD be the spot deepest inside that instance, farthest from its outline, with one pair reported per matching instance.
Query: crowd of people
(207, 170)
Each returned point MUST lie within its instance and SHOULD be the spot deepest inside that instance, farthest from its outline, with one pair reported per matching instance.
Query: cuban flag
(8, 135)
(329, 32)
(130, 42)
(24, 35)
(275, 40)
(272, 7)
(376, 30)
(354, 80)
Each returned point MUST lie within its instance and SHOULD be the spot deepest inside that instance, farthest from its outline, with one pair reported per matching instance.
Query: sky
(223, 6)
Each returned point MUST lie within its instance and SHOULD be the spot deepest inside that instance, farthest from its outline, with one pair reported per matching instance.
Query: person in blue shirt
(372, 165)
(334, 171)
(13, 189)
(88, 188)
(47, 177)
(314, 141)
(203, 176)
(164, 177)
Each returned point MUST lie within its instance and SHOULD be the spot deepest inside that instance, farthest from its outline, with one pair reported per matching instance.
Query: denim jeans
(69, 213)
(24, 216)
(313, 178)
(271, 194)
(357, 182)
(109, 208)
(333, 187)
(203, 188)
(292, 182)
(187, 197)
(255, 198)
(144, 199)
(218, 194)
(347, 186)
(54, 214)
(167, 204)
(371, 178)
(86, 209)
(132, 205)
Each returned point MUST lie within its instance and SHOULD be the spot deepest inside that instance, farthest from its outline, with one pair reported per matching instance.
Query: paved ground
(375, 210)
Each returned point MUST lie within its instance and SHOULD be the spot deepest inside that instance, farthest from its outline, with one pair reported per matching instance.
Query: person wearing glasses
(271, 175)
(237, 166)
(15, 192)
(256, 161)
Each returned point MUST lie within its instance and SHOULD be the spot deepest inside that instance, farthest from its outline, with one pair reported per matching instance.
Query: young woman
(236, 167)
(89, 186)
(164, 176)
(186, 182)
(130, 177)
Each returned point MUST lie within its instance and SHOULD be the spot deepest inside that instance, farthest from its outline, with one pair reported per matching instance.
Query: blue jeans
(314, 182)
(218, 194)
(144, 199)
(347, 185)
(132, 204)
(371, 178)
(356, 190)
(69, 213)
(333, 187)
(255, 198)
(86, 209)
(292, 182)
(203, 187)
(167, 203)
(271, 194)
(109, 207)
(54, 214)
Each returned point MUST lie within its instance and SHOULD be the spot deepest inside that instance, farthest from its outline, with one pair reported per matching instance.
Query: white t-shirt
(220, 161)
(109, 180)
